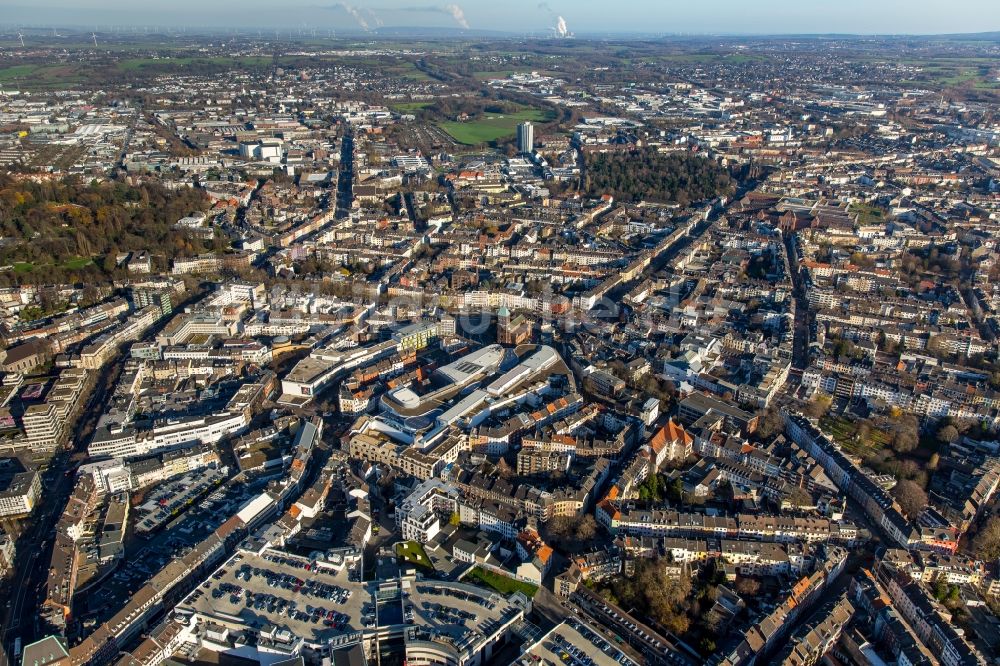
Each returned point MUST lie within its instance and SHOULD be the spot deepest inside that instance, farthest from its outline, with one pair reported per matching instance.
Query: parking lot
(575, 644)
(656, 647)
(276, 589)
(284, 591)
(168, 500)
(454, 609)
(148, 553)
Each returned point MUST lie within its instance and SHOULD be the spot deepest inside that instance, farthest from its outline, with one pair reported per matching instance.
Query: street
(345, 179)
(25, 588)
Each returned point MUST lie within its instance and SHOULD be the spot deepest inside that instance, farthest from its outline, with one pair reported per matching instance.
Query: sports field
(491, 127)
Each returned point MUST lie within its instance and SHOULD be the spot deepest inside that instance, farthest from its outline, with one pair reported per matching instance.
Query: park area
(491, 126)
(892, 444)
(502, 584)
(861, 440)
(75, 263)
(413, 552)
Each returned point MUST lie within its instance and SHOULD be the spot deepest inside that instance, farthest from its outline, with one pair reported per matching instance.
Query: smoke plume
(452, 10)
(374, 18)
(457, 14)
(561, 29)
(355, 14)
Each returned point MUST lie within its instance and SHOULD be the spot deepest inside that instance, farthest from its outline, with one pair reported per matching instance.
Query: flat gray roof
(455, 611)
(572, 639)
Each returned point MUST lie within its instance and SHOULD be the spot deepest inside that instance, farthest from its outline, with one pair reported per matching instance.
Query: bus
(17, 649)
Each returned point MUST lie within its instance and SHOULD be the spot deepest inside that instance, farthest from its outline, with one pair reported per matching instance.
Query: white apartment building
(110, 476)
(417, 516)
(42, 426)
(19, 492)
(127, 442)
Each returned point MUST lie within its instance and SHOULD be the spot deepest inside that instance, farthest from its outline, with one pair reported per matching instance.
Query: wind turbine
(20, 36)
(93, 36)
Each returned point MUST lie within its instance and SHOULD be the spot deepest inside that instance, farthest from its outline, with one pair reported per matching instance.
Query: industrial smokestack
(561, 29)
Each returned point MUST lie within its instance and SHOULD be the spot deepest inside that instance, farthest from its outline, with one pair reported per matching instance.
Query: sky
(526, 16)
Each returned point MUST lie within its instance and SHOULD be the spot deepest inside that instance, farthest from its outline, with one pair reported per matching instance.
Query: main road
(345, 177)
(801, 333)
(24, 590)
(26, 586)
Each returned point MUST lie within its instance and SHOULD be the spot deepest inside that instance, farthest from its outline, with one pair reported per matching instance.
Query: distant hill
(973, 36)
(438, 32)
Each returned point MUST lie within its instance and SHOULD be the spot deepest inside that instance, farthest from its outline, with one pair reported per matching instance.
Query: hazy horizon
(712, 17)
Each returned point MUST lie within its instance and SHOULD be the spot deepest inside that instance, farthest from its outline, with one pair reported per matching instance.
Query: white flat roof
(406, 397)
(464, 406)
(458, 374)
(542, 358)
(254, 507)
(487, 358)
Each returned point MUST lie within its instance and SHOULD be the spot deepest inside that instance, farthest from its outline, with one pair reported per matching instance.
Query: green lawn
(409, 107)
(844, 433)
(37, 77)
(491, 127)
(72, 264)
(405, 69)
(78, 263)
(414, 553)
(17, 71)
(867, 214)
(502, 584)
(743, 58)
(839, 428)
(954, 72)
(135, 64)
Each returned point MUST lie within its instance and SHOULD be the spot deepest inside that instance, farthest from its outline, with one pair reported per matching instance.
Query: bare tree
(586, 529)
(907, 434)
(947, 434)
(818, 407)
(911, 497)
(986, 544)
(770, 424)
(747, 587)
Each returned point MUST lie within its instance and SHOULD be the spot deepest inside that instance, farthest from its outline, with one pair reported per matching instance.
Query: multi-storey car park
(283, 604)
(575, 643)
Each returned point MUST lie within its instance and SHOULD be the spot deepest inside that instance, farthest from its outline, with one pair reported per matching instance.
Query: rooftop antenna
(20, 36)
(93, 36)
